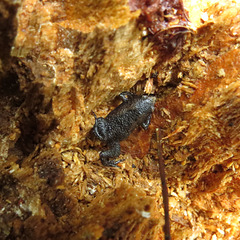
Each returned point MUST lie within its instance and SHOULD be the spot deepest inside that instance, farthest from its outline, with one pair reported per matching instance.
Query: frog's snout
(152, 98)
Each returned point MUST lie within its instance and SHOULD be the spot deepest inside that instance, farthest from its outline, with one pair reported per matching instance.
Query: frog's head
(100, 128)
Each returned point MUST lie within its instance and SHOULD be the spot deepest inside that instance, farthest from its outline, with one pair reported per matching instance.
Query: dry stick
(164, 186)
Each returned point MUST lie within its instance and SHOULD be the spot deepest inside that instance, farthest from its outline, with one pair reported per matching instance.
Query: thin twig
(164, 186)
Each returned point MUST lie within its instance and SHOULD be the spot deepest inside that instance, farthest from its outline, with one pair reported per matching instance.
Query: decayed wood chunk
(70, 58)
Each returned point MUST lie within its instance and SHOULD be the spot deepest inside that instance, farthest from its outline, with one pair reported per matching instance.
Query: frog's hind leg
(113, 152)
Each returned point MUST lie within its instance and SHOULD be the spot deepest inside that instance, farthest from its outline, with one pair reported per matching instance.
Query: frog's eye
(100, 129)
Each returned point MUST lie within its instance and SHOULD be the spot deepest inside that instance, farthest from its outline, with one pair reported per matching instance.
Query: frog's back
(129, 115)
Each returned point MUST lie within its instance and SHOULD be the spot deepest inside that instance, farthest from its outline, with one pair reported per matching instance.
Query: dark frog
(134, 111)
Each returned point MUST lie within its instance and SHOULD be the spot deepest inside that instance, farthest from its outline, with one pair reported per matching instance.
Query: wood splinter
(164, 186)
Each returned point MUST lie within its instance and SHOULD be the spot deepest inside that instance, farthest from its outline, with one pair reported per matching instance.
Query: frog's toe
(110, 163)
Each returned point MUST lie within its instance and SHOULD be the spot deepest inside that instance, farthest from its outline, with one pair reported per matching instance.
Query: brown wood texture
(61, 60)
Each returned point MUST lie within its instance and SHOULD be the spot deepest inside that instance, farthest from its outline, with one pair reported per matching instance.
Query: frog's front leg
(125, 96)
(113, 152)
(146, 123)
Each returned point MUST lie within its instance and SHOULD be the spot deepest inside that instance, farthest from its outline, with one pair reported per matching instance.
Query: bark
(61, 60)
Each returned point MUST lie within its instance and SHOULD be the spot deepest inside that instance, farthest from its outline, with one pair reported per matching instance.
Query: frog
(134, 111)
